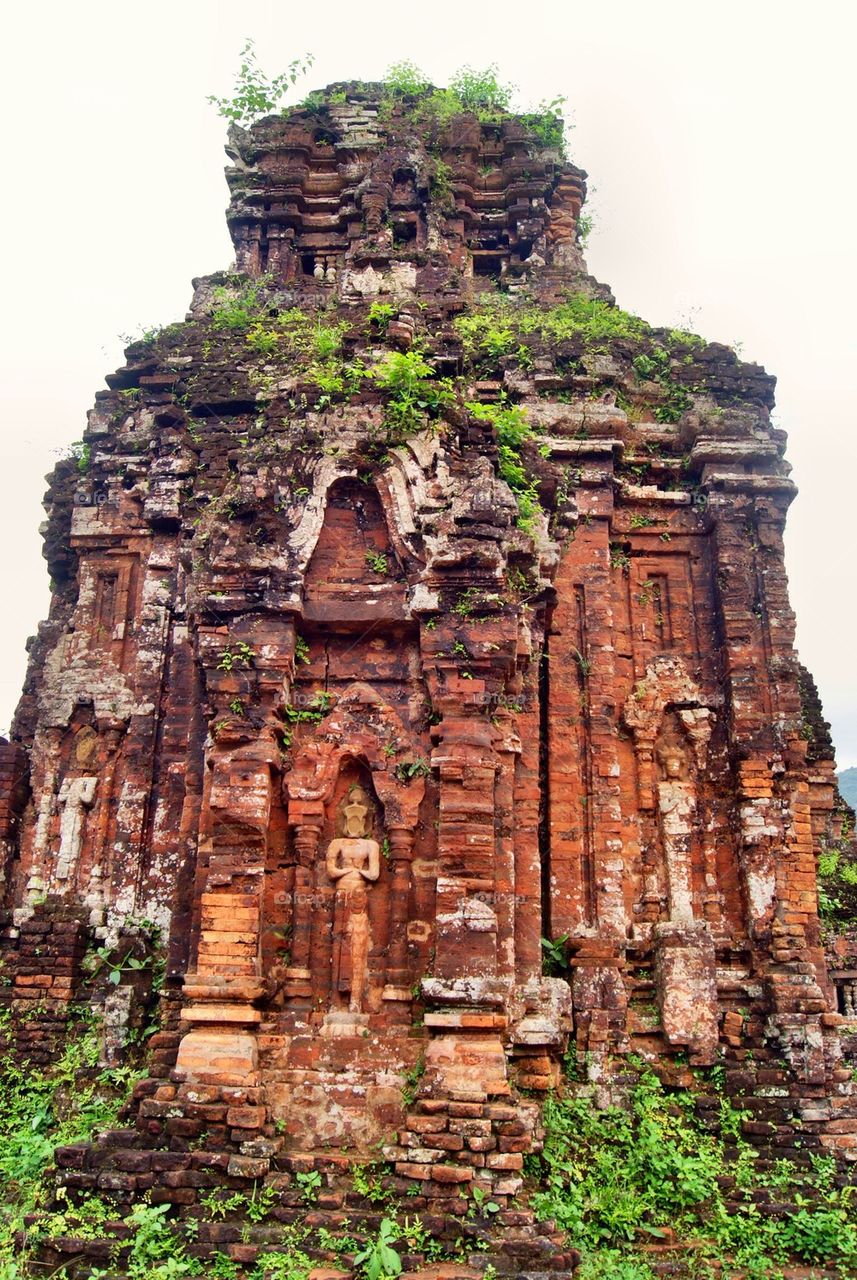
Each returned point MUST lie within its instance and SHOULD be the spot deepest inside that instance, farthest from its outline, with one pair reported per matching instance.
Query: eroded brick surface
(316, 700)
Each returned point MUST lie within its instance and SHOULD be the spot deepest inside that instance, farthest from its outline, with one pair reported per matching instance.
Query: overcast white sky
(719, 138)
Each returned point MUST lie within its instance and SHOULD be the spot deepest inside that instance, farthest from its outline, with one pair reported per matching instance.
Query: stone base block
(221, 1056)
(345, 1023)
(467, 1066)
(686, 977)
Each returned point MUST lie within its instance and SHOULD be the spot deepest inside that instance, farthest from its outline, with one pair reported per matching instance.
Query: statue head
(85, 746)
(356, 810)
(672, 758)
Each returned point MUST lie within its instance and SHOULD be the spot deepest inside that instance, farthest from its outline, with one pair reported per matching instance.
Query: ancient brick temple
(413, 604)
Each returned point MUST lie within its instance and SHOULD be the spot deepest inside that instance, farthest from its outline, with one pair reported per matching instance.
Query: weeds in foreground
(616, 1179)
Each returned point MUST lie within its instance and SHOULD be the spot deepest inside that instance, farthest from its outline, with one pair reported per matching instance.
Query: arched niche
(355, 572)
(362, 743)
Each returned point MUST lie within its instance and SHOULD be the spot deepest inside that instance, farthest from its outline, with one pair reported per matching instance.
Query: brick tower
(414, 604)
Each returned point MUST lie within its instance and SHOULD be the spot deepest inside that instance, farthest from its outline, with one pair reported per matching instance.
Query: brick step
(246, 1244)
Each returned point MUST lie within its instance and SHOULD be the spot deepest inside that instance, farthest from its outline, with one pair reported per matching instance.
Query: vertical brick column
(220, 1047)
(401, 853)
(466, 918)
(306, 838)
(14, 769)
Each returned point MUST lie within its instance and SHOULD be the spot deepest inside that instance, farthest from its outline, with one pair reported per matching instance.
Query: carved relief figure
(676, 810)
(353, 864)
(76, 796)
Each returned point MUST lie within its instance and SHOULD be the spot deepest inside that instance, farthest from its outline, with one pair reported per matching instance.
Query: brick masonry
(313, 703)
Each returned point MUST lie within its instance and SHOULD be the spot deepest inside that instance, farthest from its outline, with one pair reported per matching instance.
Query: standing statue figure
(677, 810)
(76, 796)
(353, 863)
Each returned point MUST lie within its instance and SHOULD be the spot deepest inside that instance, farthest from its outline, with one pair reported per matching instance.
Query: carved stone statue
(677, 807)
(353, 864)
(76, 796)
(672, 759)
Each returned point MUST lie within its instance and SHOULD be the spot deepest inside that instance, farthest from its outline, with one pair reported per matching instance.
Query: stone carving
(378, 609)
(85, 747)
(666, 684)
(676, 812)
(353, 864)
(76, 796)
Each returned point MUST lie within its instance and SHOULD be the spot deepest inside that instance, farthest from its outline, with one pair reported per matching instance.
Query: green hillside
(848, 786)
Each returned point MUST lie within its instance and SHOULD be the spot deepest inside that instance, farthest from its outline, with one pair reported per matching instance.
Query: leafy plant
(294, 1265)
(412, 1080)
(309, 1184)
(821, 1235)
(235, 655)
(81, 451)
(513, 431)
(546, 123)
(617, 1177)
(217, 1204)
(475, 89)
(405, 79)
(619, 557)
(262, 339)
(412, 390)
(367, 1183)
(157, 1252)
(409, 769)
(241, 310)
(380, 314)
(377, 562)
(441, 182)
(482, 1204)
(255, 94)
(379, 1260)
(555, 955)
(99, 957)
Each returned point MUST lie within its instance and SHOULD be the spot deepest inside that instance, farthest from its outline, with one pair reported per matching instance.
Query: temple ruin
(420, 671)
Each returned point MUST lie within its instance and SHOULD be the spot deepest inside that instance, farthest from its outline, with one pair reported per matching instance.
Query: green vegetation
(555, 955)
(255, 94)
(314, 712)
(310, 1184)
(616, 1179)
(546, 123)
(655, 366)
(105, 957)
(41, 1110)
(500, 325)
(404, 79)
(412, 391)
(237, 309)
(412, 1079)
(513, 432)
(81, 451)
(235, 655)
(479, 89)
(410, 769)
(837, 882)
(377, 562)
(379, 1260)
(380, 314)
(471, 90)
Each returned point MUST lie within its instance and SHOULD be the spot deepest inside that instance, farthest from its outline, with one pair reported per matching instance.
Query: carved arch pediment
(362, 727)
(401, 487)
(666, 690)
